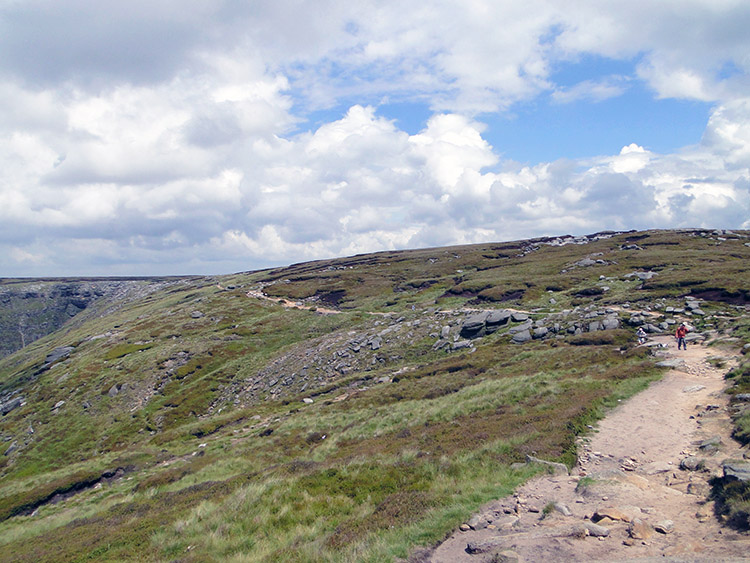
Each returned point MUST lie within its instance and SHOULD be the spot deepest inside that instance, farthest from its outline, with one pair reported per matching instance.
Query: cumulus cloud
(176, 137)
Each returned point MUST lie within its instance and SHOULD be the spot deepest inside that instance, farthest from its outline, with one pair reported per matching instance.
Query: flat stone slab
(656, 467)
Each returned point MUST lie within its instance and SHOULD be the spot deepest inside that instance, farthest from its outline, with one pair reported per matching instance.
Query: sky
(169, 137)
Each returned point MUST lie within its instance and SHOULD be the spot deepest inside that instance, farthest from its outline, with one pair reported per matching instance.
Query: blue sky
(212, 137)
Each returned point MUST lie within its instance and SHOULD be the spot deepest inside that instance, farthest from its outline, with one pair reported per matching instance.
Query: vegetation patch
(122, 350)
(263, 433)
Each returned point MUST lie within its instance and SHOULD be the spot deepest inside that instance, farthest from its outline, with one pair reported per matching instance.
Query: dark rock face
(31, 310)
(10, 405)
(58, 354)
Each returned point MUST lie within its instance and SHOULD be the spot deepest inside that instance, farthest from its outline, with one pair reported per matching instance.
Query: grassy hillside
(336, 410)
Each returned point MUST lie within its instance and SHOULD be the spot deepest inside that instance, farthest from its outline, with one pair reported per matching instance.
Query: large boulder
(496, 319)
(521, 337)
(540, 332)
(474, 325)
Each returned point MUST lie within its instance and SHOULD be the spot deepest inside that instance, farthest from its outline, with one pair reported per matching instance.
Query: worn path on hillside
(630, 470)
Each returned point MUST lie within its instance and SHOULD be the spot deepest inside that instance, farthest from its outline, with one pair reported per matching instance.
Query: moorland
(351, 409)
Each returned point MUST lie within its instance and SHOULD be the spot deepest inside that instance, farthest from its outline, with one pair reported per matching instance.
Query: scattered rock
(556, 468)
(611, 513)
(58, 354)
(664, 527)
(698, 489)
(483, 546)
(693, 388)
(672, 363)
(691, 463)
(521, 337)
(640, 530)
(478, 522)
(196, 314)
(540, 332)
(596, 530)
(656, 467)
(704, 512)
(13, 404)
(711, 445)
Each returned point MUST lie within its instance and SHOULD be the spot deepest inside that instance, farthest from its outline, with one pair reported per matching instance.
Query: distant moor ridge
(347, 409)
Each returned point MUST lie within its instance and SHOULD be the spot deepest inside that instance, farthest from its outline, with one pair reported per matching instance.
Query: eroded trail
(629, 470)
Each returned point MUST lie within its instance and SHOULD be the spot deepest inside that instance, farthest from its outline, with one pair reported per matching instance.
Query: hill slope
(336, 410)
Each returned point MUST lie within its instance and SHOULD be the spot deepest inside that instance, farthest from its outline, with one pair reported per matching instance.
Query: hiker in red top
(680, 336)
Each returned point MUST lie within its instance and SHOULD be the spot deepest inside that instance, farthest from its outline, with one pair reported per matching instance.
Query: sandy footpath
(630, 468)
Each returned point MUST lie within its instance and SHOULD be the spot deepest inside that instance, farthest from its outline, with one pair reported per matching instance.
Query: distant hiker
(680, 335)
(641, 335)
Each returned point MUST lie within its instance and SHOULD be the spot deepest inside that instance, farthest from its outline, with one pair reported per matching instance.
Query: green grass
(222, 465)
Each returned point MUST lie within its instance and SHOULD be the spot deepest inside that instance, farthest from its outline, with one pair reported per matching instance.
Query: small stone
(703, 514)
(699, 489)
(596, 530)
(464, 527)
(640, 530)
(577, 531)
(610, 513)
(656, 467)
(483, 547)
(664, 527)
(477, 522)
(691, 463)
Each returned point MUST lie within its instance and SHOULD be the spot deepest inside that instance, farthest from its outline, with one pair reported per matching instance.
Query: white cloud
(592, 90)
(160, 138)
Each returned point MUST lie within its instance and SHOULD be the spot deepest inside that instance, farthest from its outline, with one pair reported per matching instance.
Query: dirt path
(630, 468)
(256, 294)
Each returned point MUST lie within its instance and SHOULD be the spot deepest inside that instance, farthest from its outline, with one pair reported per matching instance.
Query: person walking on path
(680, 336)
(641, 334)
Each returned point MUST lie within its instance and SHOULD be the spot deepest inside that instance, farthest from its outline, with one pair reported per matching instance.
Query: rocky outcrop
(737, 470)
(31, 310)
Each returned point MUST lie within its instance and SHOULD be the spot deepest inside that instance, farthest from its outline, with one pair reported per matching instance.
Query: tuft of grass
(122, 350)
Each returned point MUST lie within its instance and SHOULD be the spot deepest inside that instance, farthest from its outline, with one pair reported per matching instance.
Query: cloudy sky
(216, 136)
